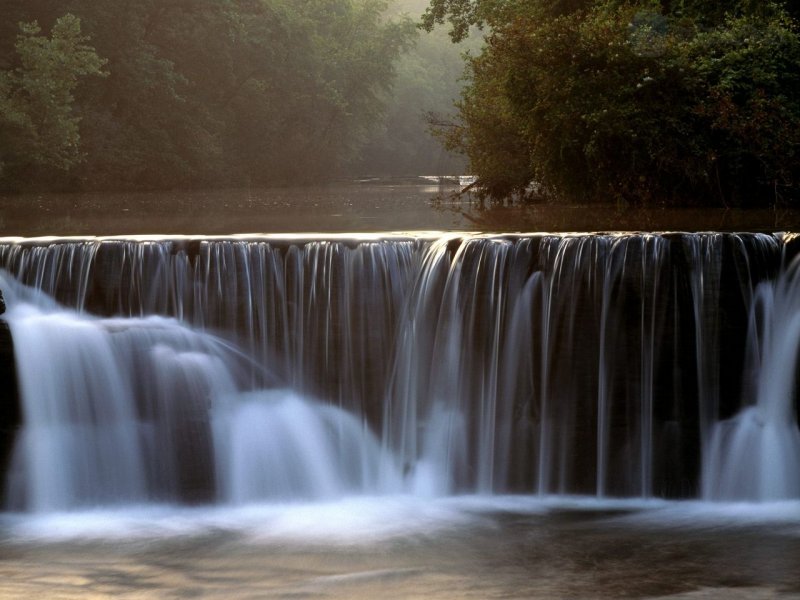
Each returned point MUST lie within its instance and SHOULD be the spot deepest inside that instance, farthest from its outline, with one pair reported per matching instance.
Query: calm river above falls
(383, 205)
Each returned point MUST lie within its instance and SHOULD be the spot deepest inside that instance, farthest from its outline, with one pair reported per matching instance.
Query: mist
(192, 94)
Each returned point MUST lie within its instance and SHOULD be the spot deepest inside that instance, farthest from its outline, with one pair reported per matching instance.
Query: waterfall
(755, 455)
(277, 445)
(262, 369)
(130, 410)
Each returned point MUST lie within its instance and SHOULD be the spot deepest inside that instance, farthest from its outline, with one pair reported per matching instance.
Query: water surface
(391, 205)
(507, 547)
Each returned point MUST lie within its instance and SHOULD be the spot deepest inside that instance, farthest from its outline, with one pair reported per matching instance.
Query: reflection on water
(346, 207)
(409, 548)
(342, 207)
(543, 217)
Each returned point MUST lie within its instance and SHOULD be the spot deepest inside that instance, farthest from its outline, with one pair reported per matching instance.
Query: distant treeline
(643, 101)
(99, 94)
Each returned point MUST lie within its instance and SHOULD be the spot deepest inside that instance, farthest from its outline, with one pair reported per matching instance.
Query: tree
(205, 93)
(632, 101)
(427, 83)
(38, 125)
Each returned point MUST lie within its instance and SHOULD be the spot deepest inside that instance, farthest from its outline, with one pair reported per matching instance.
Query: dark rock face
(10, 416)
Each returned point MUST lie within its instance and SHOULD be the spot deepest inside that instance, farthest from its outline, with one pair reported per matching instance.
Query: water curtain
(274, 369)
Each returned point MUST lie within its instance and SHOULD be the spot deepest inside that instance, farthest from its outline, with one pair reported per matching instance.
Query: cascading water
(755, 455)
(121, 411)
(276, 445)
(181, 370)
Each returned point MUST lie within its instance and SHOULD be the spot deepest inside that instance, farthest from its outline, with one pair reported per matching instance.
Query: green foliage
(462, 15)
(224, 92)
(636, 101)
(38, 126)
(426, 86)
(352, 76)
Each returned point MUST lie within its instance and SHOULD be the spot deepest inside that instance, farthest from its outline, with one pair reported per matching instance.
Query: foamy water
(379, 519)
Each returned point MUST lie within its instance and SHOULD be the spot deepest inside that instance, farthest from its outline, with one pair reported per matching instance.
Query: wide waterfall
(261, 369)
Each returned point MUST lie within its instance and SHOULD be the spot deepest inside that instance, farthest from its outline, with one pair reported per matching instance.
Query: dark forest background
(162, 94)
(631, 101)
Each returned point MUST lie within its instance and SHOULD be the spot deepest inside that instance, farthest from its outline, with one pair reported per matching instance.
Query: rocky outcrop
(9, 401)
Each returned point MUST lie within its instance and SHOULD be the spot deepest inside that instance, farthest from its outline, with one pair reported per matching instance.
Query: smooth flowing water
(342, 415)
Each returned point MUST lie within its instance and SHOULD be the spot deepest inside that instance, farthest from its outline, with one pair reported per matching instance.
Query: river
(507, 547)
(379, 205)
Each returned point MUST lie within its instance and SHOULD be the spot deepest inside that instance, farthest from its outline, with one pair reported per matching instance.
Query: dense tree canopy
(190, 92)
(638, 101)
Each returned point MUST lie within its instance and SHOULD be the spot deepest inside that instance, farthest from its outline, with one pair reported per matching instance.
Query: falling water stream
(442, 415)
